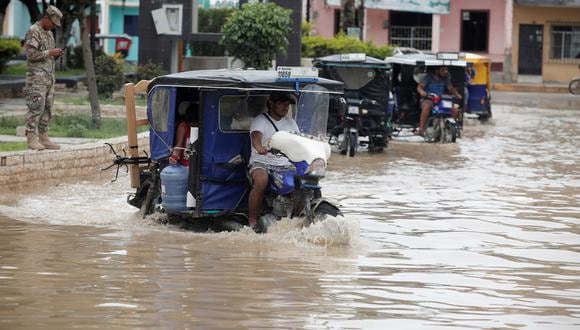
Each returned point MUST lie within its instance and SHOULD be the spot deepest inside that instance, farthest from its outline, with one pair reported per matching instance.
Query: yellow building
(546, 41)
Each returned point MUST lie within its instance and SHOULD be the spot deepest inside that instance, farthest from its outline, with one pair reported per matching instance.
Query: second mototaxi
(215, 182)
(368, 109)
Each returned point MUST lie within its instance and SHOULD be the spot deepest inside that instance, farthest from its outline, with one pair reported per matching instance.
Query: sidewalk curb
(530, 88)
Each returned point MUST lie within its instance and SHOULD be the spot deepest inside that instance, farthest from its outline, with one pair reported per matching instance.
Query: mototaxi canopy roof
(339, 60)
(428, 60)
(243, 80)
(476, 58)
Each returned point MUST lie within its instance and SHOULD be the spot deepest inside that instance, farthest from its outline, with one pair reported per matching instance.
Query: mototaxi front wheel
(450, 132)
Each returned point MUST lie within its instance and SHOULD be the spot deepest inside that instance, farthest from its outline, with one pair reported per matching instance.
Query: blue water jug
(174, 188)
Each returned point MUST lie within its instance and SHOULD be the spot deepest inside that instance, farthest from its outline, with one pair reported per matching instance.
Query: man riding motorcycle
(436, 82)
(262, 128)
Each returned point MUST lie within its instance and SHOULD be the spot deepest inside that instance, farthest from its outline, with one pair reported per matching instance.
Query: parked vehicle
(215, 184)
(478, 101)
(408, 70)
(574, 86)
(366, 120)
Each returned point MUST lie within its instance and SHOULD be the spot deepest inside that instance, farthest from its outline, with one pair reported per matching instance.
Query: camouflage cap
(54, 14)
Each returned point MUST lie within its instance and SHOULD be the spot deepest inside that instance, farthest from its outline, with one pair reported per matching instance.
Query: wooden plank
(132, 123)
(132, 133)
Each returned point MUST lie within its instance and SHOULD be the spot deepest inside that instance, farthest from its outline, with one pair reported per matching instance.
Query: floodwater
(480, 234)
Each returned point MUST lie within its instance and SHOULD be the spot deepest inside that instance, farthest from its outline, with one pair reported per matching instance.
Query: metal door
(530, 49)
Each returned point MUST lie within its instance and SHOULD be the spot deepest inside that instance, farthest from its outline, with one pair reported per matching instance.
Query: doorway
(530, 49)
(474, 31)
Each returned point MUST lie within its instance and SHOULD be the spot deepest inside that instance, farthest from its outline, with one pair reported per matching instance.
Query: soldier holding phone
(40, 56)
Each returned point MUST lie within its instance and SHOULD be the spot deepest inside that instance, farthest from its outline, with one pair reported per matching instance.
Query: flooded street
(480, 234)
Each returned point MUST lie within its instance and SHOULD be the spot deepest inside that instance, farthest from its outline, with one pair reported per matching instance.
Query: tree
(256, 33)
(88, 59)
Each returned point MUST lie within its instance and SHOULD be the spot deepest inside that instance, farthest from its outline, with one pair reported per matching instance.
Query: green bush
(75, 59)
(149, 71)
(9, 48)
(315, 46)
(257, 33)
(110, 76)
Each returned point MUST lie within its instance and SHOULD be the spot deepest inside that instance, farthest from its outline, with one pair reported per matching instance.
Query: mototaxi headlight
(317, 168)
(365, 112)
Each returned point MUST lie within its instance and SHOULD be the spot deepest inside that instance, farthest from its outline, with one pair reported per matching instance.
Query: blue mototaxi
(408, 70)
(224, 102)
(367, 82)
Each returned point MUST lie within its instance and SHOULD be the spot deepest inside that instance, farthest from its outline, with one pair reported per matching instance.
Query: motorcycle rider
(436, 82)
(261, 130)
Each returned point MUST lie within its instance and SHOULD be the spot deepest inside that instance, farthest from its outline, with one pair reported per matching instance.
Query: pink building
(482, 27)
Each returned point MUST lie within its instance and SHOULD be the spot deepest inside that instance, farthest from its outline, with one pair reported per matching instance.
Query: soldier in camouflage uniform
(41, 54)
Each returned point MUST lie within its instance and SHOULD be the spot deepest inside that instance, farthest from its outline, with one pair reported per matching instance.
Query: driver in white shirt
(262, 128)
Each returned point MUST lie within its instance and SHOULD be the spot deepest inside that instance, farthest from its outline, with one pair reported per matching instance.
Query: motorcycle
(440, 126)
(295, 191)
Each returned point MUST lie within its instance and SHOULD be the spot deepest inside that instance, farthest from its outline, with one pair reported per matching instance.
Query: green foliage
(72, 126)
(306, 28)
(212, 20)
(256, 33)
(74, 57)
(149, 71)
(110, 76)
(13, 146)
(9, 48)
(315, 46)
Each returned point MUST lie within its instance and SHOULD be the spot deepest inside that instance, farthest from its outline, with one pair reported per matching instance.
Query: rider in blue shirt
(436, 82)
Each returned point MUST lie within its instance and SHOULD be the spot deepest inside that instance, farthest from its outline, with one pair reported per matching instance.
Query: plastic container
(174, 188)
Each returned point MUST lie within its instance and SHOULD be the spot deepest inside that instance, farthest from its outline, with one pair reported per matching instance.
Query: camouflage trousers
(39, 99)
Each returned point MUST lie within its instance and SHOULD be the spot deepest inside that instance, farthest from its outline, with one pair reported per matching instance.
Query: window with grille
(565, 42)
(418, 37)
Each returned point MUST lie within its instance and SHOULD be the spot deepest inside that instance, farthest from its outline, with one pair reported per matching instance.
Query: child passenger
(187, 113)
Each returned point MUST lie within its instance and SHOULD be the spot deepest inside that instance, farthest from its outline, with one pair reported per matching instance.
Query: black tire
(353, 144)
(148, 206)
(226, 225)
(450, 133)
(325, 210)
(574, 86)
(431, 131)
(345, 141)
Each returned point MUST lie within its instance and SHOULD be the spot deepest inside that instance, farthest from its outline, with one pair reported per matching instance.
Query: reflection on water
(479, 234)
